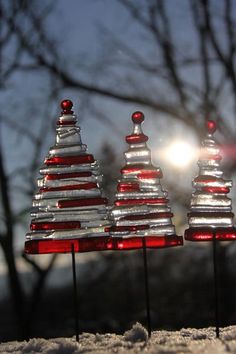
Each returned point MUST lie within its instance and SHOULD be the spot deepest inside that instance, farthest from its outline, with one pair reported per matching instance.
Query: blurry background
(172, 59)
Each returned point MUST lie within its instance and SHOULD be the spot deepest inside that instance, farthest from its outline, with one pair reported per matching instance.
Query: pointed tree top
(66, 106)
(138, 117)
(211, 126)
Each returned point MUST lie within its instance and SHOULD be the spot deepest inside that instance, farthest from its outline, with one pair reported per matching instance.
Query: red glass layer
(69, 160)
(216, 157)
(132, 243)
(81, 202)
(55, 225)
(220, 190)
(146, 174)
(64, 122)
(210, 214)
(147, 216)
(207, 179)
(84, 186)
(87, 244)
(208, 233)
(141, 201)
(128, 187)
(136, 138)
(101, 243)
(138, 168)
(67, 175)
(129, 228)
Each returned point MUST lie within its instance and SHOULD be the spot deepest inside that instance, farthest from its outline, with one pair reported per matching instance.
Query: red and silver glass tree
(69, 206)
(211, 217)
(210, 208)
(141, 207)
(141, 215)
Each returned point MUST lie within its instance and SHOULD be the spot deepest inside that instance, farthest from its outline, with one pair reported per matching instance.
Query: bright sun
(180, 154)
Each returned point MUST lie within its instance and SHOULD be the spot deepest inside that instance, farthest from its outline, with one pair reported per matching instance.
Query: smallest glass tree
(210, 208)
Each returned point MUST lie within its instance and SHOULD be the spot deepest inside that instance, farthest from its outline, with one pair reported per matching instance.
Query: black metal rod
(146, 281)
(75, 294)
(215, 270)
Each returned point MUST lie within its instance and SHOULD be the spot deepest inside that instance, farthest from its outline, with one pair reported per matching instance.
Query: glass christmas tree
(210, 211)
(141, 206)
(69, 206)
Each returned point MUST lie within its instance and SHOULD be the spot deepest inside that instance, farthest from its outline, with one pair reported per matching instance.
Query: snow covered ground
(196, 341)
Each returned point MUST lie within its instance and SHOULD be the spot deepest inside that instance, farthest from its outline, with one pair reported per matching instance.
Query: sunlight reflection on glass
(180, 154)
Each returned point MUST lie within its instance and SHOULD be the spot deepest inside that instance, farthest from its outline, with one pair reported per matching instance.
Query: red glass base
(207, 233)
(86, 244)
(100, 243)
(132, 243)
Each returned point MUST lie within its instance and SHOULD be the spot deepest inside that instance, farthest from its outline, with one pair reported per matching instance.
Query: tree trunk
(16, 290)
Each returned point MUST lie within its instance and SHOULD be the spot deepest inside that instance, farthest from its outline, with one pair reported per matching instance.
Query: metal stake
(146, 280)
(215, 269)
(75, 293)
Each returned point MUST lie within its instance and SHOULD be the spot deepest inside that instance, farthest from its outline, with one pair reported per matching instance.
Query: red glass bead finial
(66, 106)
(138, 117)
(211, 126)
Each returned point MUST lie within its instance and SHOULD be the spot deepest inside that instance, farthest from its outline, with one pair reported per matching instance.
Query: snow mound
(136, 334)
(134, 341)
(40, 345)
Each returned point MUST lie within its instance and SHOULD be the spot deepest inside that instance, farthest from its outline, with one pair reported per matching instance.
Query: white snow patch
(185, 341)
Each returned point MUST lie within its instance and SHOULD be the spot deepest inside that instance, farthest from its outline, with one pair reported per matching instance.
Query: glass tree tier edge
(208, 233)
(90, 244)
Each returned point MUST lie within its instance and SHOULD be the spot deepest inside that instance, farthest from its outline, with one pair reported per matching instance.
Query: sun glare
(180, 154)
